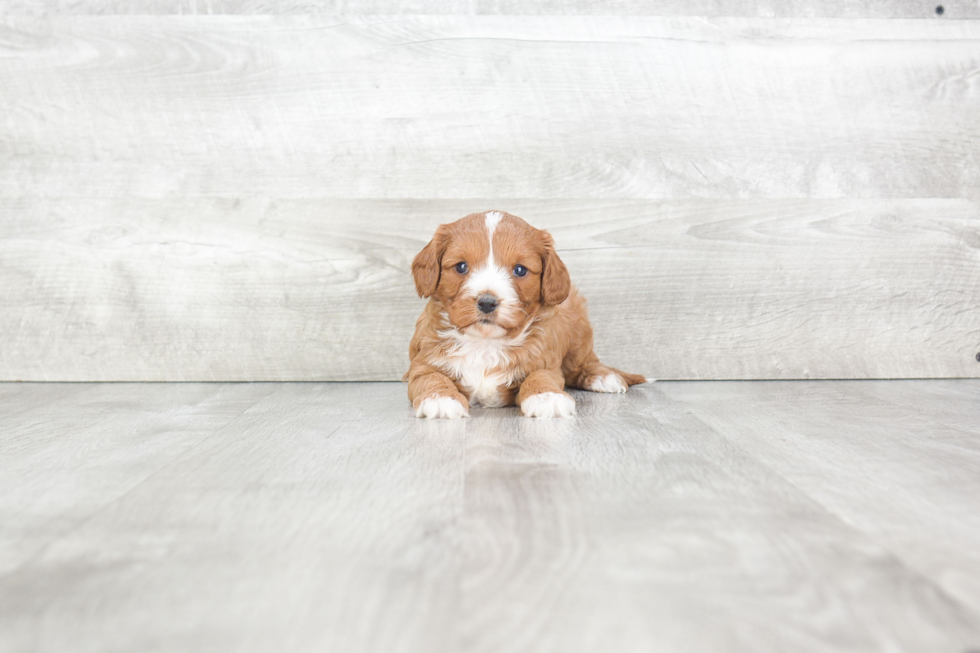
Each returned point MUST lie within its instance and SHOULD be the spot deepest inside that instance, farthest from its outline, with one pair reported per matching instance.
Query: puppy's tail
(596, 377)
(632, 379)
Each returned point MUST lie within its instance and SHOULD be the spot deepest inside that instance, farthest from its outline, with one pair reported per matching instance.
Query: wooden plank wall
(196, 190)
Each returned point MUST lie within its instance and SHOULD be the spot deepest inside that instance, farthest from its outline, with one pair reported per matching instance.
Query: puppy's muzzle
(487, 303)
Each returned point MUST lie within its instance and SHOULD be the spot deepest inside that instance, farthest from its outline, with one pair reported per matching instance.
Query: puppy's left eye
(519, 270)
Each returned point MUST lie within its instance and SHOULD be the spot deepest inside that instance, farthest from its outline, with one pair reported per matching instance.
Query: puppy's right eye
(462, 268)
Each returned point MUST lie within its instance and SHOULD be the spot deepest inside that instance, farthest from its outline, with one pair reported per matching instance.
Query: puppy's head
(492, 272)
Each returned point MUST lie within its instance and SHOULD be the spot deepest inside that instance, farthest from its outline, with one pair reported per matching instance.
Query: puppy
(504, 324)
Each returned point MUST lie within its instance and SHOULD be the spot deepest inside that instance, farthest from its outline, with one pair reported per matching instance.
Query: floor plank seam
(844, 522)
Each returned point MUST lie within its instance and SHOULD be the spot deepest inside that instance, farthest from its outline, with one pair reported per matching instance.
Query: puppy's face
(491, 272)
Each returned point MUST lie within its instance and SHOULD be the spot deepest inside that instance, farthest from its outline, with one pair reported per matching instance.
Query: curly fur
(538, 341)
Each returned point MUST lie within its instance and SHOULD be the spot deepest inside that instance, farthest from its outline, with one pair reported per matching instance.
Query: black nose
(487, 303)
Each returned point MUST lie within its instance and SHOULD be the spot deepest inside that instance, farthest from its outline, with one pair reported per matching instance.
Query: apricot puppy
(503, 324)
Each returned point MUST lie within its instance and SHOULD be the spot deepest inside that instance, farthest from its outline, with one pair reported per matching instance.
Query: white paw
(548, 404)
(608, 383)
(437, 407)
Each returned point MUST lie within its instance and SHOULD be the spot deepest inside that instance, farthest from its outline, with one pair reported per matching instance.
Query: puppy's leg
(433, 394)
(541, 395)
(593, 375)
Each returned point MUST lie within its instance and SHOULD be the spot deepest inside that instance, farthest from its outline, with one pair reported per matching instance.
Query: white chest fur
(480, 365)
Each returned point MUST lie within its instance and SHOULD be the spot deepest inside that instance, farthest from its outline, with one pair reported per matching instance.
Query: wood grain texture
(765, 9)
(301, 523)
(21, 397)
(66, 458)
(806, 516)
(488, 106)
(636, 525)
(237, 197)
(899, 460)
(215, 289)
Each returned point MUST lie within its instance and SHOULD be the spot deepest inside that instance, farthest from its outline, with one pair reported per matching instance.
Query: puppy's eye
(462, 268)
(519, 270)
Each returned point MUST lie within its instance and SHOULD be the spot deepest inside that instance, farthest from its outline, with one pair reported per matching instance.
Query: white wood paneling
(211, 289)
(762, 9)
(490, 106)
(237, 197)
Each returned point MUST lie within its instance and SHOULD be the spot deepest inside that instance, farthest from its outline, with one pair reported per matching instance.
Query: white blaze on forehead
(490, 277)
(493, 218)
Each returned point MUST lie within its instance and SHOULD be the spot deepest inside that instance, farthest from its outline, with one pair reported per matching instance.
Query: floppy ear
(555, 283)
(427, 265)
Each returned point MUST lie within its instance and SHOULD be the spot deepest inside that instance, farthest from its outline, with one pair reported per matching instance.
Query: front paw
(441, 407)
(548, 404)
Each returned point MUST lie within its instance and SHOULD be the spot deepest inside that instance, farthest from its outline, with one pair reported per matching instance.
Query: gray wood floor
(725, 516)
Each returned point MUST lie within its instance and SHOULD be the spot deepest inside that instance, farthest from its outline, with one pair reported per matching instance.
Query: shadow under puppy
(504, 324)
